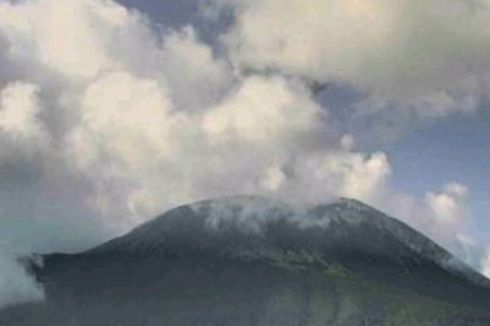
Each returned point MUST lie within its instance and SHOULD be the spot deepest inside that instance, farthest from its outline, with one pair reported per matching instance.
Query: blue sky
(457, 149)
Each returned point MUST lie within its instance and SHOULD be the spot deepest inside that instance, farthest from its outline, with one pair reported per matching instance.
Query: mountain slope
(255, 261)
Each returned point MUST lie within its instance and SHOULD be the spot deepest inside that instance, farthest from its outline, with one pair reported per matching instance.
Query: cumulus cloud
(141, 122)
(448, 205)
(103, 115)
(429, 57)
(77, 48)
(132, 137)
(19, 111)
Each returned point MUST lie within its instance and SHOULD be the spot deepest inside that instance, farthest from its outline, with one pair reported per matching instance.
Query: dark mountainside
(255, 261)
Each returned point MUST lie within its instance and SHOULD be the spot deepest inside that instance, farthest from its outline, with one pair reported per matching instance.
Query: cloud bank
(106, 121)
(408, 51)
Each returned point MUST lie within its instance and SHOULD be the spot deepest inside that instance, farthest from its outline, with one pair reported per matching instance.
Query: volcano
(258, 261)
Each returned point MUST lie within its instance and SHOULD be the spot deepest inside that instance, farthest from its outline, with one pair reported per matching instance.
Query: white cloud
(316, 178)
(188, 64)
(431, 56)
(19, 110)
(68, 36)
(138, 148)
(23, 135)
(127, 117)
(128, 132)
(264, 110)
(448, 206)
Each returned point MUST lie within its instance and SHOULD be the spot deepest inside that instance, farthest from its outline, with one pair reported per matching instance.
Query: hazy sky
(111, 113)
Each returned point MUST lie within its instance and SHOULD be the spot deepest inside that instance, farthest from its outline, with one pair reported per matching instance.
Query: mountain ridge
(256, 261)
(250, 215)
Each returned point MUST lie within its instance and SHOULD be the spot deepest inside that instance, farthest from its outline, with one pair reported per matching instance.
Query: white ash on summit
(259, 227)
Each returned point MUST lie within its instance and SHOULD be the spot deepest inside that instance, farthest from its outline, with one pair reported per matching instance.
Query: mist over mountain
(258, 261)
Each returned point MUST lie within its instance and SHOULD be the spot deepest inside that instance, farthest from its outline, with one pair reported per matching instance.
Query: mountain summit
(256, 261)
